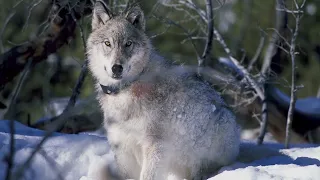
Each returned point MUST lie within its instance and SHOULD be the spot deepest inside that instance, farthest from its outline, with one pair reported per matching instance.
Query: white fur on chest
(123, 123)
(115, 106)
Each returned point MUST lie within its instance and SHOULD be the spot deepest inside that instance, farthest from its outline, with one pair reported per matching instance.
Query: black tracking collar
(110, 89)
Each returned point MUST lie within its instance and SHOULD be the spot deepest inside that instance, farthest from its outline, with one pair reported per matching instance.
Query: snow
(83, 157)
(301, 163)
(213, 108)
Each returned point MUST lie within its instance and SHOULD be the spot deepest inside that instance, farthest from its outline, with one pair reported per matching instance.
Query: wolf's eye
(107, 43)
(128, 43)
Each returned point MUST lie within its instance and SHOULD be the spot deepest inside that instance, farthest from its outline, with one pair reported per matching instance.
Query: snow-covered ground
(80, 157)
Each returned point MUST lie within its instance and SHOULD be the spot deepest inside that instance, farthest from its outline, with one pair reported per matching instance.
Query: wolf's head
(118, 48)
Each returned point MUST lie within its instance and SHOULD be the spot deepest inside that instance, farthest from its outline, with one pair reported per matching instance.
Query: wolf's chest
(116, 107)
(130, 101)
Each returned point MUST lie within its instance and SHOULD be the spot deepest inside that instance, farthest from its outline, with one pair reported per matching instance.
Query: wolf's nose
(117, 69)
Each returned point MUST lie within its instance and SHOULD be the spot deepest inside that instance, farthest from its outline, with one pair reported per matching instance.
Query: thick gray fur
(166, 123)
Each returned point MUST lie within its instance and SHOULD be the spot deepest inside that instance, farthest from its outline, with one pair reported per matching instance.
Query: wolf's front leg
(153, 163)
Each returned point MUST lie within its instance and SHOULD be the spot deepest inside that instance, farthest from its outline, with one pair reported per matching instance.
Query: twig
(208, 46)
(6, 23)
(12, 123)
(154, 7)
(195, 18)
(257, 54)
(293, 53)
(186, 32)
(29, 14)
(3, 29)
(191, 5)
(161, 33)
(290, 11)
(193, 38)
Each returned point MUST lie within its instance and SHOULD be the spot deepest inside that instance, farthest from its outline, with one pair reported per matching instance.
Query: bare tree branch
(10, 111)
(208, 47)
(186, 32)
(257, 54)
(264, 117)
(219, 38)
(70, 15)
(293, 53)
(83, 73)
(274, 40)
(3, 29)
(76, 90)
(246, 74)
(9, 115)
(60, 32)
(33, 5)
(271, 50)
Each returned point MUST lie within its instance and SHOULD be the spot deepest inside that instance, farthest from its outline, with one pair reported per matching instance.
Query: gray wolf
(162, 121)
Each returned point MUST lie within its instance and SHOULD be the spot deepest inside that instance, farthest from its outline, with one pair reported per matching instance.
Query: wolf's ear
(101, 14)
(136, 17)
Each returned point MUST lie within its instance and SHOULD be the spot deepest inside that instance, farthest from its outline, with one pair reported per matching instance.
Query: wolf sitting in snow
(162, 121)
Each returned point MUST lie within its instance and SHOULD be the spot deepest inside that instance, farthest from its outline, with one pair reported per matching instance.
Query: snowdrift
(81, 157)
